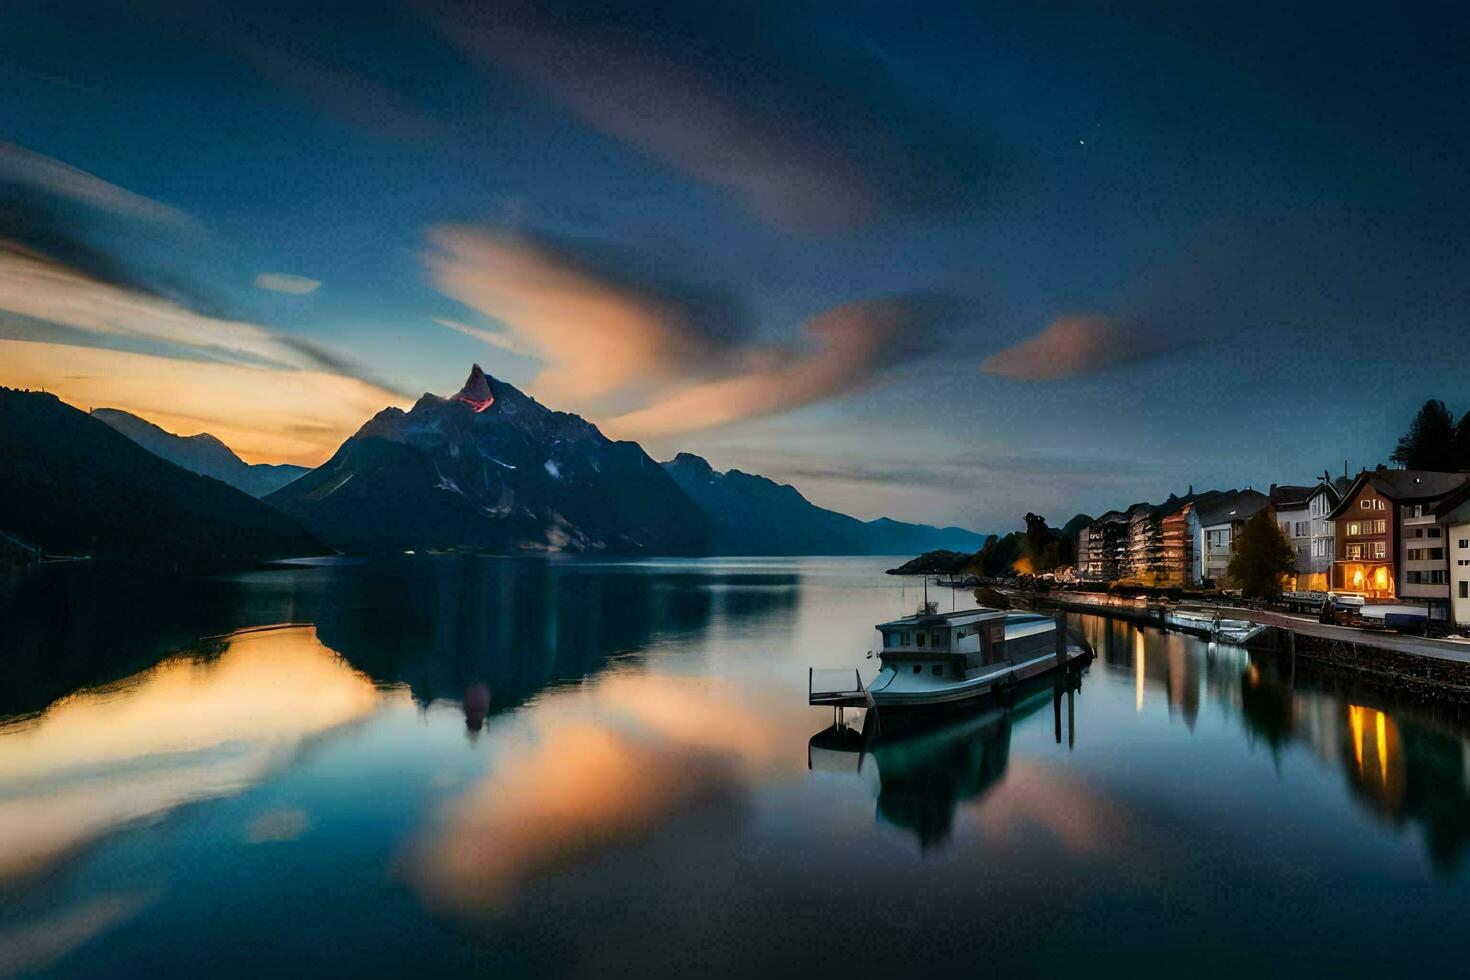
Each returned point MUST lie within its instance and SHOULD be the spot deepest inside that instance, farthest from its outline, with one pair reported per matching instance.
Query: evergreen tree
(1430, 442)
(1262, 556)
(1462, 443)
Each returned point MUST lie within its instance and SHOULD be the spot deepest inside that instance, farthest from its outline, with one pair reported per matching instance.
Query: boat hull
(1000, 685)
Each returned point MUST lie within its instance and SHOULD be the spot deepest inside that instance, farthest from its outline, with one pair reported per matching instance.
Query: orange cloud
(596, 334)
(1070, 345)
(264, 414)
(679, 354)
(849, 346)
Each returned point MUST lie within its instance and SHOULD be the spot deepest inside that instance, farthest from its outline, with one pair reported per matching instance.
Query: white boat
(1239, 631)
(934, 659)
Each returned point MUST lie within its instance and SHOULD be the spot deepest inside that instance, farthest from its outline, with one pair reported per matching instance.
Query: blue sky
(944, 263)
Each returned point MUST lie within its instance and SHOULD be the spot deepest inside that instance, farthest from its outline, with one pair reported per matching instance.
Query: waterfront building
(1321, 536)
(1107, 547)
(1293, 514)
(1457, 526)
(1391, 540)
(1220, 520)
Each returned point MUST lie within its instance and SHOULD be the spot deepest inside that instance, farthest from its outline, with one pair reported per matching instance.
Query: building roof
(1232, 505)
(1402, 486)
(1287, 495)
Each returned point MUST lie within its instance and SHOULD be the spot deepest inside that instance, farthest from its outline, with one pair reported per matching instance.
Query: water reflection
(1407, 769)
(442, 626)
(193, 727)
(924, 776)
(587, 772)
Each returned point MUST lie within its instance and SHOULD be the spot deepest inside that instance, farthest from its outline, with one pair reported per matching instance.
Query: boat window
(918, 668)
(921, 637)
(938, 670)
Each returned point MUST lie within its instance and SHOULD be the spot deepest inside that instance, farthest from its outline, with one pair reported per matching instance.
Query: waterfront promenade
(1151, 612)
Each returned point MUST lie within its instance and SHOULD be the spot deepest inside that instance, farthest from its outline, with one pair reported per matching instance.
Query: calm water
(526, 768)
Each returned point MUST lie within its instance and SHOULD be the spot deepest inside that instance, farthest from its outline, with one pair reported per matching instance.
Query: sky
(944, 263)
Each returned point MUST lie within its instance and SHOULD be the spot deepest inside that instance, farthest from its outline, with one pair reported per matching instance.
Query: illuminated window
(1380, 579)
(1380, 549)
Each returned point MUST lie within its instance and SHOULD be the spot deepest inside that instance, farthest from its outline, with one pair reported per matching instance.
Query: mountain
(71, 485)
(752, 515)
(491, 469)
(202, 454)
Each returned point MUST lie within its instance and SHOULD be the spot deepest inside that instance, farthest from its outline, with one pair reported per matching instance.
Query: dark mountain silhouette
(202, 454)
(752, 515)
(491, 469)
(71, 485)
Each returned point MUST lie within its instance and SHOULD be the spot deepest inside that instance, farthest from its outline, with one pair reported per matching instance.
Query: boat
(933, 660)
(1213, 627)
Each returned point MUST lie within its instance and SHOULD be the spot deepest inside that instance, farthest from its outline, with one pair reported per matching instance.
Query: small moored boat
(934, 659)
(1238, 631)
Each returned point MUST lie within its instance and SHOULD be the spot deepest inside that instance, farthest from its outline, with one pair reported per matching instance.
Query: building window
(1433, 532)
(922, 637)
(1380, 549)
(1413, 510)
(1354, 528)
(1415, 554)
(1435, 554)
(1381, 527)
(1354, 551)
(1365, 504)
(1465, 590)
(1465, 542)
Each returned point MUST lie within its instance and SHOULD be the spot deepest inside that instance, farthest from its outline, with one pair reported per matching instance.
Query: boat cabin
(957, 645)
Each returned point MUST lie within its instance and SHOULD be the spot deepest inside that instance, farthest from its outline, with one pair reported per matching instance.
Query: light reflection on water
(554, 767)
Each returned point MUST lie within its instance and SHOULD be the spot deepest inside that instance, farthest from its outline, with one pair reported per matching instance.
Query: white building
(1458, 524)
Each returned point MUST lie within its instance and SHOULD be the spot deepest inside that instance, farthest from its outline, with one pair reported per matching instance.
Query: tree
(1462, 443)
(1262, 556)
(1430, 442)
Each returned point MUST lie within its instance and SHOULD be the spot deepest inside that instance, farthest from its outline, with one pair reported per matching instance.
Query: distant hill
(752, 515)
(202, 454)
(489, 468)
(72, 485)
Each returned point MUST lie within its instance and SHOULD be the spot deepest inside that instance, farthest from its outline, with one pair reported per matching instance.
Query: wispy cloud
(494, 338)
(26, 168)
(1078, 344)
(845, 349)
(284, 282)
(32, 285)
(822, 141)
(685, 357)
(597, 323)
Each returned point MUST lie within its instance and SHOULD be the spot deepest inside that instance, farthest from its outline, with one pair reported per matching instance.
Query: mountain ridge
(755, 515)
(202, 453)
(490, 468)
(72, 485)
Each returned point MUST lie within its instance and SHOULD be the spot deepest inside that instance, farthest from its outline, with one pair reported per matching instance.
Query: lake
(447, 765)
